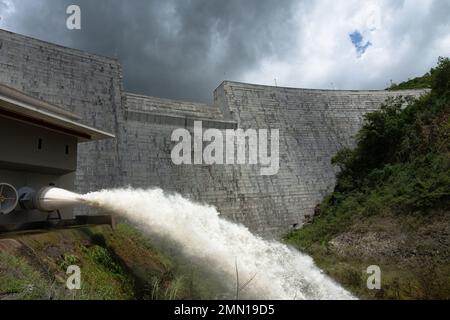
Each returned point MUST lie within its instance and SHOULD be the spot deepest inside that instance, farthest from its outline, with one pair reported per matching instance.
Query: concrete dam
(313, 125)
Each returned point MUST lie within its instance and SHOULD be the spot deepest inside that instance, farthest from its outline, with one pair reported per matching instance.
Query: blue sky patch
(358, 42)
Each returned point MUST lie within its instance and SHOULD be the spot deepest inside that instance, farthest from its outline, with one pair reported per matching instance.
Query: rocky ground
(413, 253)
(401, 237)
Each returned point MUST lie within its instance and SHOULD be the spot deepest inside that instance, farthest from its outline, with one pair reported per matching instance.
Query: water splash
(277, 271)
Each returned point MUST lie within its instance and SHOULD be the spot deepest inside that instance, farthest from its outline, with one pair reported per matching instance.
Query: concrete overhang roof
(17, 105)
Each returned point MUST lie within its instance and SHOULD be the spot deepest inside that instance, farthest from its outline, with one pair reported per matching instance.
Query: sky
(183, 49)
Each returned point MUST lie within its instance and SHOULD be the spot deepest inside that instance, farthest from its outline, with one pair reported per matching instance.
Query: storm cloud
(184, 49)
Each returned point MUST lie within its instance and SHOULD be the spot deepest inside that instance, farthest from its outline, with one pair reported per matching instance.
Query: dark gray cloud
(183, 49)
(175, 49)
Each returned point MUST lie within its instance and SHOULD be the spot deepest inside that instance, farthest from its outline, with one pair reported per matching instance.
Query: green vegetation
(19, 280)
(423, 82)
(115, 264)
(392, 196)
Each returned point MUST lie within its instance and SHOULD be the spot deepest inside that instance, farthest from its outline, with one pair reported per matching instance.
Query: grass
(115, 264)
(18, 279)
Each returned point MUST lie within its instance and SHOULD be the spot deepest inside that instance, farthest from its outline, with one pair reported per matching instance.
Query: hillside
(391, 203)
(422, 82)
(115, 264)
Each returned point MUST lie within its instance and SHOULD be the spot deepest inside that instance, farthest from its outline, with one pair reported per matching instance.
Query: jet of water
(274, 270)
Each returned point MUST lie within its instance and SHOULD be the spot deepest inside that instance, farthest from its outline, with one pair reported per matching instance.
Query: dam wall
(313, 125)
(88, 85)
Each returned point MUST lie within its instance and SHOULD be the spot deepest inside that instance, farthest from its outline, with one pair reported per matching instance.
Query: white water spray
(275, 270)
